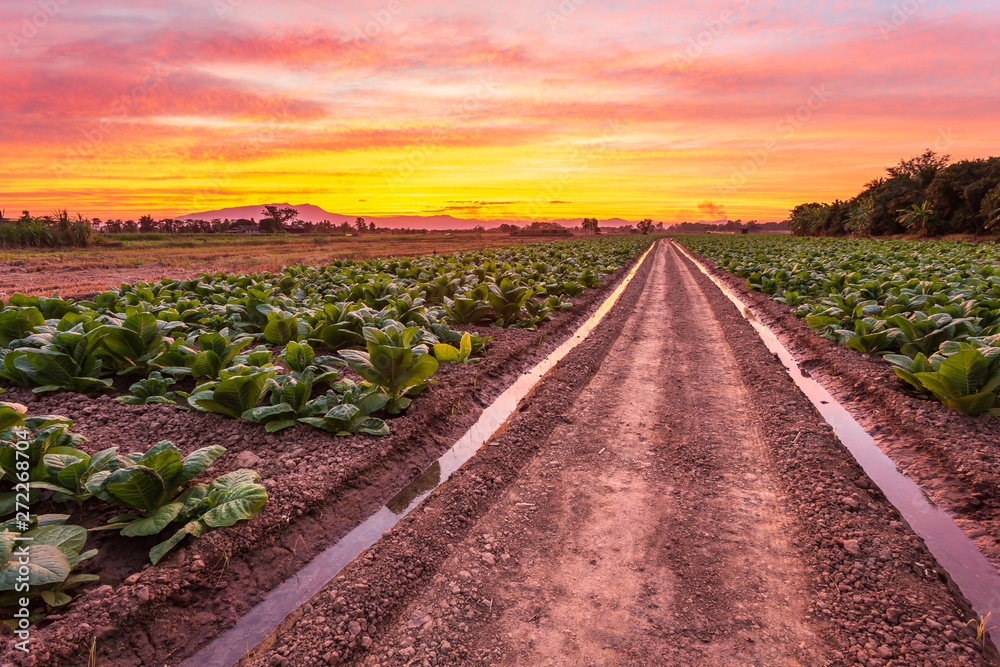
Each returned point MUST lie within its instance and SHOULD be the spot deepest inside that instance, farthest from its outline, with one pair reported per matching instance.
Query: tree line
(927, 195)
(59, 230)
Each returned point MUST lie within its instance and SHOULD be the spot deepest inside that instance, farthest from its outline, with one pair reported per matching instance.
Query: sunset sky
(514, 110)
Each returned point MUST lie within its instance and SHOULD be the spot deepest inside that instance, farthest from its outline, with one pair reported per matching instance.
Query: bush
(47, 232)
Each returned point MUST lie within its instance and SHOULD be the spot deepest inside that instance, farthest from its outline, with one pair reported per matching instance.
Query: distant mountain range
(314, 214)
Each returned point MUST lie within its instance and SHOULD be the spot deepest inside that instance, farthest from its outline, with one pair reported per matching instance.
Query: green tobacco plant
(349, 407)
(589, 278)
(402, 371)
(557, 303)
(11, 415)
(450, 354)
(870, 336)
(239, 390)
(290, 400)
(300, 357)
(150, 485)
(151, 390)
(176, 359)
(45, 434)
(408, 310)
(69, 360)
(394, 334)
(51, 308)
(231, 498)
(906, 368)
(70, 469)
(506, 299)
(466, 310)
(216, 352)
(537, 312)
(138, 340)
(281, 328)
(54, 551)
(340, 325)
(17, 323)
(448, 335)
(967, 381)
(921, 333)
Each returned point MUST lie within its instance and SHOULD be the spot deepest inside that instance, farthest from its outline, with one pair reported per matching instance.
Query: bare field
(84, 270)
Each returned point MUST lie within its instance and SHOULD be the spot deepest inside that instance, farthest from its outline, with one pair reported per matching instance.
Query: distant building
(244, 228)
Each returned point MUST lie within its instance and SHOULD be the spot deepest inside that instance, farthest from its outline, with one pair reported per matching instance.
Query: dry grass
(88, 270)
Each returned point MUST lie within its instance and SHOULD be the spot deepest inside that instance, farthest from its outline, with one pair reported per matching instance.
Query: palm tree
(920, 218)
(863, 216)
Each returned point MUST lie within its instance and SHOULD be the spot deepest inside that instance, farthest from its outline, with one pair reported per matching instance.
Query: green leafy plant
(290, 401)
(70, 469)
(149, 484)
(69, 361)
(966, 381)
(466, 310)
(450, 354)
(402, 371)
(448, 335)
(921, 333)
(216, 352)
(300, 357)
(44, 434)
(869, 336)
(339, 326)
(151, 390)
(54, 551)
(232, 395)
(557, 303)
(537, 312)
(135, 342)
(17, 323)
(280, 328)
(349, 407)
(228, 499)
(506, 299)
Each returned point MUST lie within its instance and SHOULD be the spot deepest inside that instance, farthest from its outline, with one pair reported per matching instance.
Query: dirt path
(645, 527)
(687, 507)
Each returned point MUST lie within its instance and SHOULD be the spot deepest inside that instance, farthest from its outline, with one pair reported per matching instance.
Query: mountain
(314, 214)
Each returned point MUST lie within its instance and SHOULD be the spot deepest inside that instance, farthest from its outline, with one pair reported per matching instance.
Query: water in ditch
(955, 551)
(261, 622)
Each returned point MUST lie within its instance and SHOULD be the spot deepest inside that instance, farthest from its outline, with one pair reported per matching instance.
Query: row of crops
(931, 309)
(342, 348)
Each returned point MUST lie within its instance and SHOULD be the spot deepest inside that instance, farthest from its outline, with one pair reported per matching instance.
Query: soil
(320, 487)
(954, 457)
(665, 497)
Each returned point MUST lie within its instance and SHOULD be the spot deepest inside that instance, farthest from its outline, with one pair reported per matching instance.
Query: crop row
(931, 309)
(268, 348)
(40, 455)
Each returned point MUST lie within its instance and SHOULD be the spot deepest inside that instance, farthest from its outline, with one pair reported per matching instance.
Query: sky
(493, 110)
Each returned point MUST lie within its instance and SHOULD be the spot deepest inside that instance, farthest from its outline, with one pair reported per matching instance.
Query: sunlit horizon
(522, 111)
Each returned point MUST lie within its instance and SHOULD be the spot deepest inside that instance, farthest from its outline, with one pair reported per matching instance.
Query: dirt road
(678, 504)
